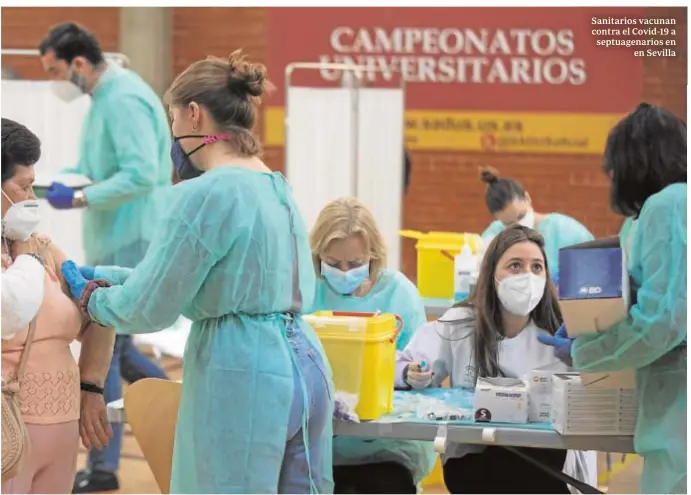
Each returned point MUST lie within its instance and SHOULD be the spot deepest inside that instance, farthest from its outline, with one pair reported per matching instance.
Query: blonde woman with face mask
(494, 333)
(53, 399)
(349, 259)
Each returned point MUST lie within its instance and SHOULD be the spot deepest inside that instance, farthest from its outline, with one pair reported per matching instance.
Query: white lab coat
(448, 348)
(22, 294)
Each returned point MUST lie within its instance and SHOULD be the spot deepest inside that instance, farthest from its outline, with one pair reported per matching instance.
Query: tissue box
(578, 409)
(539, 383)
(593, 286)
(501, 400)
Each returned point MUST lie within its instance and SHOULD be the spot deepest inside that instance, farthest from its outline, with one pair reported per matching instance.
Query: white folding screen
(319, 147)
(58, 125)
(380, 162)
(347, 142)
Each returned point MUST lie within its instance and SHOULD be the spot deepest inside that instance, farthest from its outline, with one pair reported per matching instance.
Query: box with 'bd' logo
(595, 294)
(593, 286)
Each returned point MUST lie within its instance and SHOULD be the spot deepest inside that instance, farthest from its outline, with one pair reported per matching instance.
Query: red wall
(445, 193)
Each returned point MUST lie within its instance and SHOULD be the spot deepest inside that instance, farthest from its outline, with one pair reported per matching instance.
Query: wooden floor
(135, 476)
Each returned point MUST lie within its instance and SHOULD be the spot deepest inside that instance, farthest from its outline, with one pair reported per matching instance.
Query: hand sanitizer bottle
(464, 266)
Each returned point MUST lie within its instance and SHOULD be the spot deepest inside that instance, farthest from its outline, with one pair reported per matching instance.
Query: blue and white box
(593, 286)
(501, 400)
(595, 294)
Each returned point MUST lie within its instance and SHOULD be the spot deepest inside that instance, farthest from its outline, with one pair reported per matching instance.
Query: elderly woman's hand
(94, 427)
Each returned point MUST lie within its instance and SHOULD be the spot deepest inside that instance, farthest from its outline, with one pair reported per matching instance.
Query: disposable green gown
(125, 151)
(116, 275)
(653, 339)
(558, 230)
(393, 293)
(231, 255)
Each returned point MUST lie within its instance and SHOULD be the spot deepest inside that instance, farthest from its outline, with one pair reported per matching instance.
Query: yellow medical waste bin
(361, 348)
(435, 253)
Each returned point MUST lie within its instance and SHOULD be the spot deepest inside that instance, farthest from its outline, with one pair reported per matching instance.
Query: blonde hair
(340, 219)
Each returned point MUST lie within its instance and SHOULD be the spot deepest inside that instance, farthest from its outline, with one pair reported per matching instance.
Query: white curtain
(320, 152)
(58, 126)
(380, 162)
(347, 142)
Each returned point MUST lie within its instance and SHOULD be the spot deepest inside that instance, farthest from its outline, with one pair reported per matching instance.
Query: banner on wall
(531, 80)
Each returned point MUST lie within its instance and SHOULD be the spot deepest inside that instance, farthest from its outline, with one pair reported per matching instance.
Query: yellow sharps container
(435, 264)
(361, 348)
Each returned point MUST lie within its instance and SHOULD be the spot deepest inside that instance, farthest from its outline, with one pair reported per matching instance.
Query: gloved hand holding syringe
(417, 375)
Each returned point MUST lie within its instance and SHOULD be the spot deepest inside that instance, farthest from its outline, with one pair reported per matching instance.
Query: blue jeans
(295, 472)
(139, 365)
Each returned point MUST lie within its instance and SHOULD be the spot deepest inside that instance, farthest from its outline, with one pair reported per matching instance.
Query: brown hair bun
(246, 78)
(489, 175)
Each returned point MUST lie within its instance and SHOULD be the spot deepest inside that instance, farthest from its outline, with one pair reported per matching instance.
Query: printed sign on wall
(493, 79)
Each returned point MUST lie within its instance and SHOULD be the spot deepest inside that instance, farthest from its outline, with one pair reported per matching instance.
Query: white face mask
(71, 89)
(519, 294)
(528, 219)
(67, 91)
(21, 220)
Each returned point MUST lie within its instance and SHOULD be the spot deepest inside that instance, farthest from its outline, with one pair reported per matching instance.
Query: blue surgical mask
(181, 159)
(345, 282)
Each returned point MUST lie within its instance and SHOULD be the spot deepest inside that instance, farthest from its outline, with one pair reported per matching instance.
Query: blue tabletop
(446, 404)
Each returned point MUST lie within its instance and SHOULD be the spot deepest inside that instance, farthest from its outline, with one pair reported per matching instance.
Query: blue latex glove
(60, 196)
(88, 272)
(561, 343)
(74, 278)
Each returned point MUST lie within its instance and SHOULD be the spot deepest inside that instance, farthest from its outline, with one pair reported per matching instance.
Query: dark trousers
(380, 477)
(496, 470)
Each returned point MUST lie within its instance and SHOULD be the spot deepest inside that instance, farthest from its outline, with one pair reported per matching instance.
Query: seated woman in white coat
(494, 333)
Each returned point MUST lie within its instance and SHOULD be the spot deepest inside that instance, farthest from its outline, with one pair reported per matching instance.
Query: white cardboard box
(539, 383)
(501, 400)
(583, 410)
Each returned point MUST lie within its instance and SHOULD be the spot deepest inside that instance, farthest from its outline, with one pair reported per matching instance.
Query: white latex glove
(416, 377)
